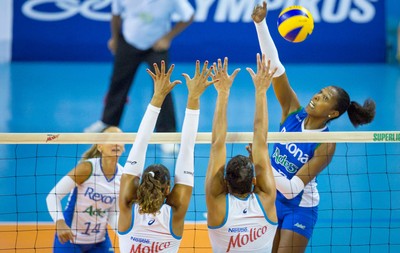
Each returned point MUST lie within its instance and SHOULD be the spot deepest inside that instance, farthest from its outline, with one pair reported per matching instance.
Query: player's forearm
(53, 200)
(219, 129)
(260, 117)
(290, 188)
(136, 158)
(184, 172)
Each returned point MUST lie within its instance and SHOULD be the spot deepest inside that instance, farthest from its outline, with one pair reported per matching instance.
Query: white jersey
(90, 203)
(150, 233)
(246, 227)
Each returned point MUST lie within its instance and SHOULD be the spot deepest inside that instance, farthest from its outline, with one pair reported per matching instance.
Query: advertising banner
(78, 30)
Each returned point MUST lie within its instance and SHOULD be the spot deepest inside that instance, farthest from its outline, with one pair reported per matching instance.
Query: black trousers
(126, 62)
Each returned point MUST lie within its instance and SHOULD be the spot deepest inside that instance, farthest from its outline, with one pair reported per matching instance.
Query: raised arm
(215, 184)
(283, 91)
(265, 183)
(136, 159)
(179, 198)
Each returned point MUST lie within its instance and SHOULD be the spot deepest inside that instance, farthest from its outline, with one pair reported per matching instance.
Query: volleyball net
(359, 209)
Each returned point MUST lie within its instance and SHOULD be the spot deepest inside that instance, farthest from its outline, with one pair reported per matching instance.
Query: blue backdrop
(78, 30)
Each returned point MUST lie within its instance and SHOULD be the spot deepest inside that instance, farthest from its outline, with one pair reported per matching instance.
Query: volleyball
(295, 23)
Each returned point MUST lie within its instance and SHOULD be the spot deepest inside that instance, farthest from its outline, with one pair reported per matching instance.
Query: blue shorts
(295, 218)
(68, 247)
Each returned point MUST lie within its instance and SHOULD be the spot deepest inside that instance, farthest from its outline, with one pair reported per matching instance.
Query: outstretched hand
(198, 84)
(221, 73)
(162, 83)
(259, 12)
(262, 79)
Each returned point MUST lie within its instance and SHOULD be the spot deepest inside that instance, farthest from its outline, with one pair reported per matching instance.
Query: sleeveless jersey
(246, 227)
(150, 233)
(89, 204)
(288, 158)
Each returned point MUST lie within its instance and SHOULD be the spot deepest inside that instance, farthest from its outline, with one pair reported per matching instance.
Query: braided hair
(152, 190)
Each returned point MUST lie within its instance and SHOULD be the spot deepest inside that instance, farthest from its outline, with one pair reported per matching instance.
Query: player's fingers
(259, 63)
(171, 68)
(205, 68)
(234, 74)
(174, 83)
(274, 71)
(151, 73)
(251, 72)
(212, 82)
(268, 65)
(156, 69)
(226, 63)
(220, 65)
(163, 67)
(210, 71)
(71, 237)
(186, 76)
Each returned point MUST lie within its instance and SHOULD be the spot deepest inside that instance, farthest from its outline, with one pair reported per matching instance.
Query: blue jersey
(288, 158)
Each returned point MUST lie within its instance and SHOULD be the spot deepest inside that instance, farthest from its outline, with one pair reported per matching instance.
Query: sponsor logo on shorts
(301, 226)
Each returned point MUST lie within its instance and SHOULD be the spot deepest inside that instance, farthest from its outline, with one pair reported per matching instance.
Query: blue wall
(392, 24)
(74, 30)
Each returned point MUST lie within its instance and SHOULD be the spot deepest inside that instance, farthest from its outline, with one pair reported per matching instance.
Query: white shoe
(169, 148)
(96, 127)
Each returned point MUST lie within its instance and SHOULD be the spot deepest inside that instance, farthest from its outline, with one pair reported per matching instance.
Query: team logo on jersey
(92, 211)
(95, 196)
(154, 247)
(238, 230)
(151, 222)
(284, 161)
(245, 210)
(241, 240)
(140, 240)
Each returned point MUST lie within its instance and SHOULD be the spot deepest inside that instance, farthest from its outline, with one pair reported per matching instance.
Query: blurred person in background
(141, 31)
